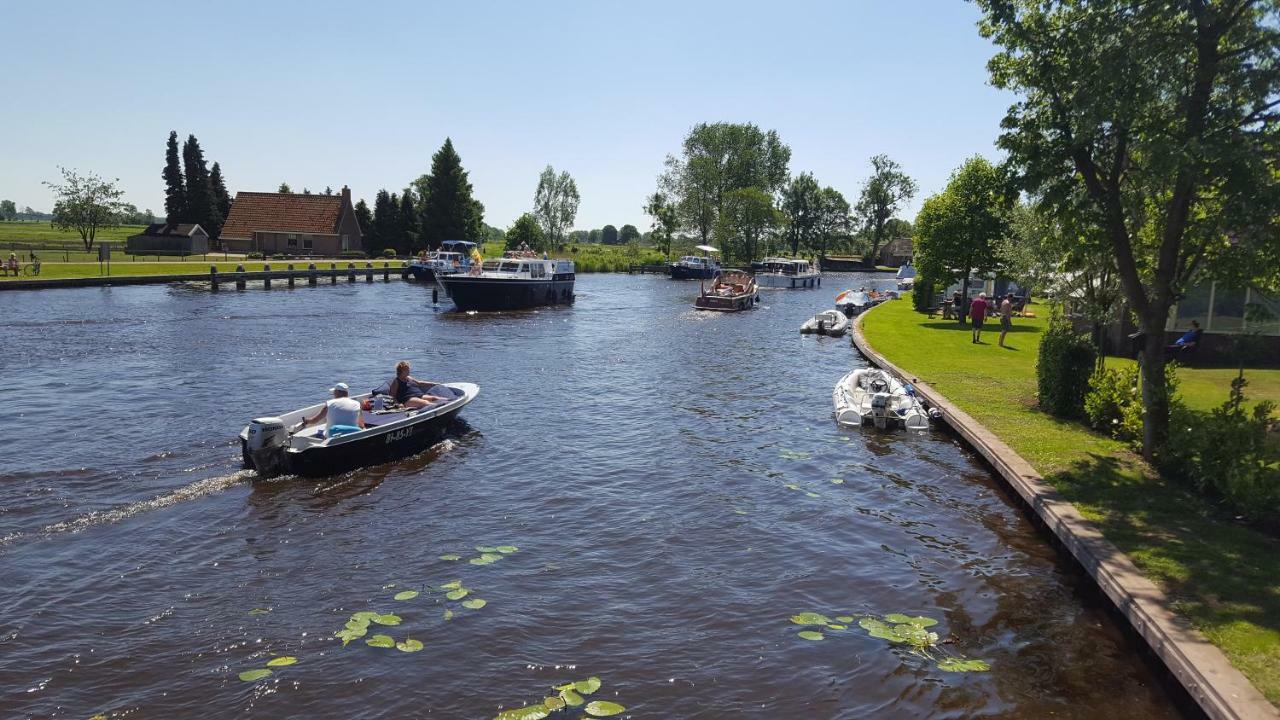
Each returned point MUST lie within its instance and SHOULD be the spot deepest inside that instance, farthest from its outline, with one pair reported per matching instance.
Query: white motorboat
(906, 277)
(692, 267)
(853, 302)
(827, 322)
(776, 272)
(871, 395)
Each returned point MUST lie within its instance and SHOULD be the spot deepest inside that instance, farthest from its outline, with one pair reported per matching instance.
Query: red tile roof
(282, 212)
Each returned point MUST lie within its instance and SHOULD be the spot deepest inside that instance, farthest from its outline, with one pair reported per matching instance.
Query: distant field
(21, 235)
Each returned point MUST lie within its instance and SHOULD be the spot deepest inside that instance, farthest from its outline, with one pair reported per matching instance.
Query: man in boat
(410, 391)
(341, 414)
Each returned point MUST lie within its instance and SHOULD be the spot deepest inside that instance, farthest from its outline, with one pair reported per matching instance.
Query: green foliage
(833, 220)
(389, 253)
(448, 210)
(555, 204)
(1113, 404)
(284, 189)
(956, 230)
(352, 254)
(1226, 453)
(8, 211)
(569, 695)
(882, 195)
(175, 193)
(628, 234)
(221, 198)
(609, 235)
(801, 206)
(202, 207)
(665, 221)
(525, 230)
(85, 204)
(897, 628)
(1066, 362)
(748, 215)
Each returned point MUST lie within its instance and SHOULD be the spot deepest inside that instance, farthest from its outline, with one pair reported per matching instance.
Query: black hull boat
(268, 447)
(485, 294)
(684, 272)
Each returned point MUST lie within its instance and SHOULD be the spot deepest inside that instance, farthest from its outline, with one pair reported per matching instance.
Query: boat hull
(487, 294)
(681, 272)
(789, 282)
(321, 461)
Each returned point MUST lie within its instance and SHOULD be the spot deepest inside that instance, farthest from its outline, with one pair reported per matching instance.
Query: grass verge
(58, 271)
(1223, 576)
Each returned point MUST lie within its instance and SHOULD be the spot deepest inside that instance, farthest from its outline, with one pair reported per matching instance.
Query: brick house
(292, 224)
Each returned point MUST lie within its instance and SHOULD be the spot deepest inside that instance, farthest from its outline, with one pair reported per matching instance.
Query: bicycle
(31, 269)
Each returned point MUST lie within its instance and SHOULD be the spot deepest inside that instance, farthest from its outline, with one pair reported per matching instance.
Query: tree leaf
(255, 674)
(282, 661)
(406, 595)
(604, 708)
(409, 645)
(382, 641)
(810, 634)
(474, 603)
(810, 618)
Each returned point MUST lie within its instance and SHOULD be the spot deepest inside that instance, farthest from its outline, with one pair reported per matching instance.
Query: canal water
(671, 482)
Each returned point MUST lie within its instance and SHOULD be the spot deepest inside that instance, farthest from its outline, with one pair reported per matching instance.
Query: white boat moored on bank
(871, 395)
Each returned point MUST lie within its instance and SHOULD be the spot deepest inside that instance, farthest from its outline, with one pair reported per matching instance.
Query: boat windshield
(491, 264)
(510, 267)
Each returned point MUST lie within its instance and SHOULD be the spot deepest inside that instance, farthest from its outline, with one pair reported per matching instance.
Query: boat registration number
(399, 435)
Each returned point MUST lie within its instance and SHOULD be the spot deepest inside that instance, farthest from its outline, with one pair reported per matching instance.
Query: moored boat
(694, 267)
(875, 396)
(789, 273)
(517, 281)
(733, 290)
(827, 322)
(269, 447)
(853, 302)
(453, 257)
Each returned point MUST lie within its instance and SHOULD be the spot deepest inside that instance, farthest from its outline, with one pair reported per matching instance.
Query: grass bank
(15, 235)
(1223, 576)
(57, 271)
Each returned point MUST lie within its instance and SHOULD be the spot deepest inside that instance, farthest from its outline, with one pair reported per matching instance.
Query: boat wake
(195, 490)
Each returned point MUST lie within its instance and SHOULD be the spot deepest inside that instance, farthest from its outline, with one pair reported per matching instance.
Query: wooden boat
(267, 446)
(732, 291)
(827, 322)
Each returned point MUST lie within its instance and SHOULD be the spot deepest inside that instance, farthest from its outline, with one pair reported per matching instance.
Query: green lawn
(55, 270)
(1224, 576)
(42, 234)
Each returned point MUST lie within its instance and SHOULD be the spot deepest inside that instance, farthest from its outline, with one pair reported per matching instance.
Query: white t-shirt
(342, 411)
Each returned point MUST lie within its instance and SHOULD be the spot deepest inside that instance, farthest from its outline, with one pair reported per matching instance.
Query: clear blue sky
(322, 93)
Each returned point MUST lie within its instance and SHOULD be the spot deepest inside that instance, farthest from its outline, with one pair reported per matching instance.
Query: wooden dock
(655, 269)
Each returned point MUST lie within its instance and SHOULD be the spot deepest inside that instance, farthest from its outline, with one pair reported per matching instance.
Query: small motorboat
(868, 394)
(519, 280)
(777, 272)
(453, 257)
(390, 432)
(906, 277)
(827, 322)
(693, 267)
(733, 290)
(853, 302)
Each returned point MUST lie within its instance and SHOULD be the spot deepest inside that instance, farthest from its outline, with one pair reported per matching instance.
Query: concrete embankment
(1197, 665)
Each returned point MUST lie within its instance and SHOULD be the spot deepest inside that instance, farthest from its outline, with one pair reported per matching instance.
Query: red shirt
(978, 310)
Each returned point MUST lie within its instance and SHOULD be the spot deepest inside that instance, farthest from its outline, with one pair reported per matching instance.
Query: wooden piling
(311, 274)
(266, 279)
(351, 272)
(213, 277)
(368, 278)
(386, 272)
(290, 274)
(333, 273)
(239, 277)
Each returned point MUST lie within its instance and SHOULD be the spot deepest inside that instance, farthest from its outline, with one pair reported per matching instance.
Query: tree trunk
(964, 299)
(1155, 394)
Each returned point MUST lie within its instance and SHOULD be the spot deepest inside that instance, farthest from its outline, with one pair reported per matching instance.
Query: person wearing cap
(341, 414)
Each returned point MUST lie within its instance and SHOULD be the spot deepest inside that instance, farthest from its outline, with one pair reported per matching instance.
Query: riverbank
(1222, 576)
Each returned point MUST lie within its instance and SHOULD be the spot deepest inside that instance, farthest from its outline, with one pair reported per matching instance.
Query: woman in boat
(410, 391)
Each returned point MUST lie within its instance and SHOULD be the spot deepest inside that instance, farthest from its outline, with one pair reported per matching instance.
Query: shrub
(353, 254)
(389, 253)
(254, 256)
(1113, 404)
(1225, 453)
(1063, 370)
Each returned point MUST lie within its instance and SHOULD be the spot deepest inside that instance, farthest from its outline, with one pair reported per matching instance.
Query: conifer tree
(201, 207)
(384, 223)
(448, 211)
(221, 198)
(175, 193)
(364, 216)
(409, 221)
(284, 189)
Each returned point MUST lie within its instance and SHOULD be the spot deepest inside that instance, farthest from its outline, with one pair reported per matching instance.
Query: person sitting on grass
(978, 313)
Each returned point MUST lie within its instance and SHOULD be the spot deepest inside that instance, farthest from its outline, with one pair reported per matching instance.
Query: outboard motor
(266, 445)
(880, 409)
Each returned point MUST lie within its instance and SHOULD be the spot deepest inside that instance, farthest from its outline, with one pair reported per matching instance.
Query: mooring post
(266, 279)
(333, 274)
(386, 272)
(434, 292)
(311, 274)
(239, 277)
(351, 272)
(213, 276)
(368, 278)
(404, 270)
(290, 274)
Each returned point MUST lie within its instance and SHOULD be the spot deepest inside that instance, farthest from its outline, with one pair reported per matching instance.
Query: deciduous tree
(666, 221)
(958, 228)
(527, 231)
(882, 195)
(747, 217)
(86, 204)
(8, 211)
(609, 235)
(832, 221)
(1163, 117)
(555, 204)
(628, 234)
(801, 205)
(284, 188)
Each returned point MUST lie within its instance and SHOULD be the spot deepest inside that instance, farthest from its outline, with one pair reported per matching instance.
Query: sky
(329, 94)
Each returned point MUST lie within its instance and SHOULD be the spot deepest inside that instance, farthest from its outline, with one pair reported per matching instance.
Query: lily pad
(879, 629)
(571, 697)
(482, 560)
(553, 703)
(837, 481)
(486, 549)
(388, 619)
(588, 686)
(451, 585)
(259, 611)
(794, 455)
(918, 621)
(810, 634)
(791, 486)
(406, 595)
(837, 626)
(365, 615)
(962, 665)
(450, 557)
(409, 645)
(491, 557)
(506, 549)
(448, 614)
(811, 494)
(844, 618)
(458, 594)
(282, 661)
(810, 618)
(532, 712)
(604, 708)
(382, 641)
(357, 625)
(255, 674)
(474, 603)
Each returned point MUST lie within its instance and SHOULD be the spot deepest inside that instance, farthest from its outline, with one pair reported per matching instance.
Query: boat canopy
(707, 248)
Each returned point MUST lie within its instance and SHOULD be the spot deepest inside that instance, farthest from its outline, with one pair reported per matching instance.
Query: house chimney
(346, 194)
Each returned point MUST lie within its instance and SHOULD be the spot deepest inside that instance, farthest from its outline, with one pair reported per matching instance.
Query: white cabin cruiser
(693, 267)
(868, 394)
(454, 256)
(827, 322)
(906, 277)
(786, 273)
(519, 280)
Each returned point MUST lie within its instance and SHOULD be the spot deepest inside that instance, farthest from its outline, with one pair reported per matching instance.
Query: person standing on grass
(978, 313)
(1006, 316)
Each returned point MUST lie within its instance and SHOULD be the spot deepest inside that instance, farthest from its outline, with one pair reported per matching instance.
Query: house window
(346, 243)
(293, 241)
(307, 244)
